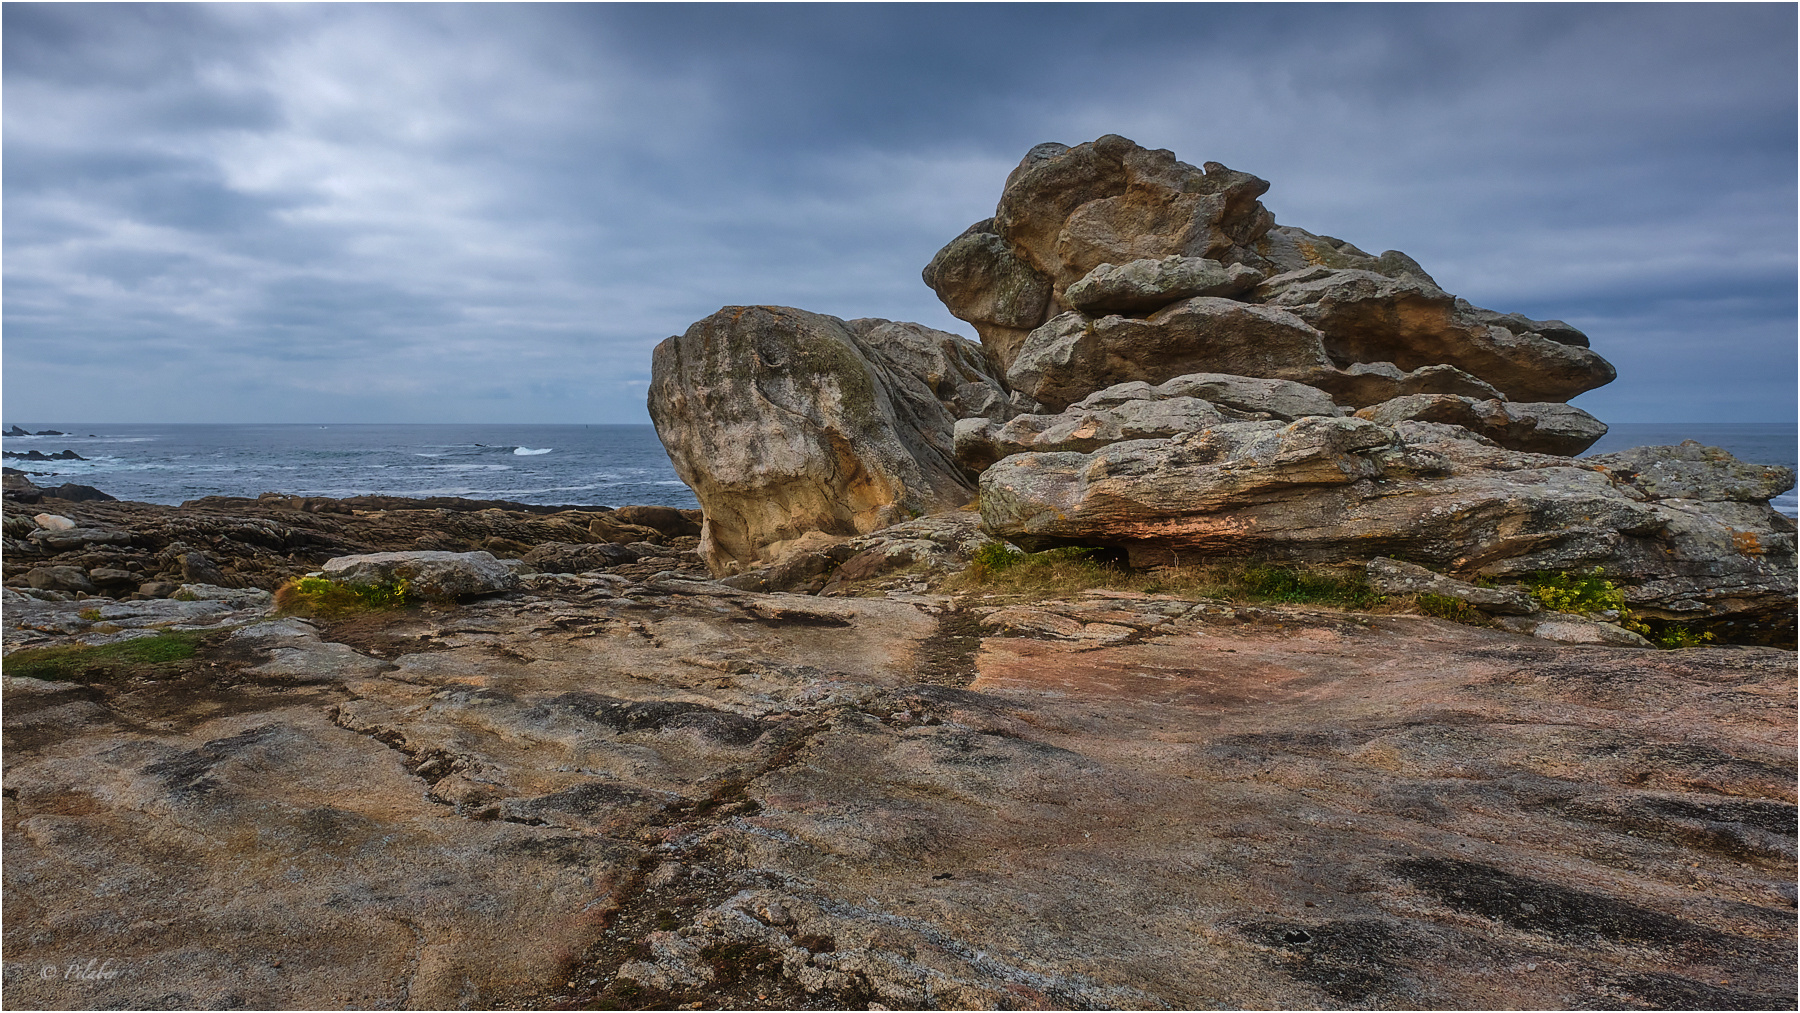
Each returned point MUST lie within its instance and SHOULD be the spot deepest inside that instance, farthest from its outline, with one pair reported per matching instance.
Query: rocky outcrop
(785, 422)
(1331, 490)
(1112, 228)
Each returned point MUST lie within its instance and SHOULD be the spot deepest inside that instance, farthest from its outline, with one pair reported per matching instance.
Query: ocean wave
(528, 452)
(459, 467)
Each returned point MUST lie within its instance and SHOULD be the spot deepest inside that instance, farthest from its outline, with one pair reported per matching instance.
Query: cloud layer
(493, 212)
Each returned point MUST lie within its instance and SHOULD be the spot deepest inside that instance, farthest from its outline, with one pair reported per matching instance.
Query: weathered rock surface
(1145, 285)
(785, 422)
(1395, 576)
(1074, 355)
(1069, 210)
(597, 793)
(1335, 490)
(979, 442)
(1538, 428)
(1287, 248)
(983, 282)
(1281, 399)
(1368, 317)
(1368, 383)
(433, 574)
(1065, 211)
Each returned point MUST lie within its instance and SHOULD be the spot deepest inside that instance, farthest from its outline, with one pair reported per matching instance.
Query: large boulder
(785, 422)
(1331, 490)
(1369, 317)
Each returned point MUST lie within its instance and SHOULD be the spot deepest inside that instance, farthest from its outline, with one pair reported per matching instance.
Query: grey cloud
(422, 212)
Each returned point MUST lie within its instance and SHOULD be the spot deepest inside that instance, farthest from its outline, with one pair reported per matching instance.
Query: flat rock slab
(597, 793)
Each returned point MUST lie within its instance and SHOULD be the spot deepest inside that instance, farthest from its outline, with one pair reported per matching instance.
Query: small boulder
(54, 522)
(1693, 471)
(668, 520)
(1393, 576)
(16, 486)
(198, 568)
(434, 574)
(74, 493)
(112, 579)
(607, 528)
(1565, 628)
(68, 579)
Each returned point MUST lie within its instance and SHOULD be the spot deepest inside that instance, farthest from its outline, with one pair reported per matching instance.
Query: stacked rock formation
(1166, 371)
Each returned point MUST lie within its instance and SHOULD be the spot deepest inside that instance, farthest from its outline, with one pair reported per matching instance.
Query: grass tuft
(78, 662)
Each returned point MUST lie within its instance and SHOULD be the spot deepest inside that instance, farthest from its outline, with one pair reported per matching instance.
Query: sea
(569, 465)
(541, 464)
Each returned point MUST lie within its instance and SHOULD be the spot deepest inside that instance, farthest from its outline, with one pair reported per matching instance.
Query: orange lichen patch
(1745, 543)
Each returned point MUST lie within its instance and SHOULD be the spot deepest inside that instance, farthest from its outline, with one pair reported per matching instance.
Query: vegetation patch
(1586, 594)
(153, 656)
(1289, 585)
(1675, 636)
(318, 596)
(1454, 609)
(1068, 570)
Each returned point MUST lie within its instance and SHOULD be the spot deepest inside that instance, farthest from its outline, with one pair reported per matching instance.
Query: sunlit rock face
(786, 422)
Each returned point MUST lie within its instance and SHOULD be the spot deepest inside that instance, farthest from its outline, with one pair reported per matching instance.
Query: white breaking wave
(528, 452)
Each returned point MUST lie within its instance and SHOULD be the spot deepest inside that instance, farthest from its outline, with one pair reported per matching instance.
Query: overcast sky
(491, 213)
